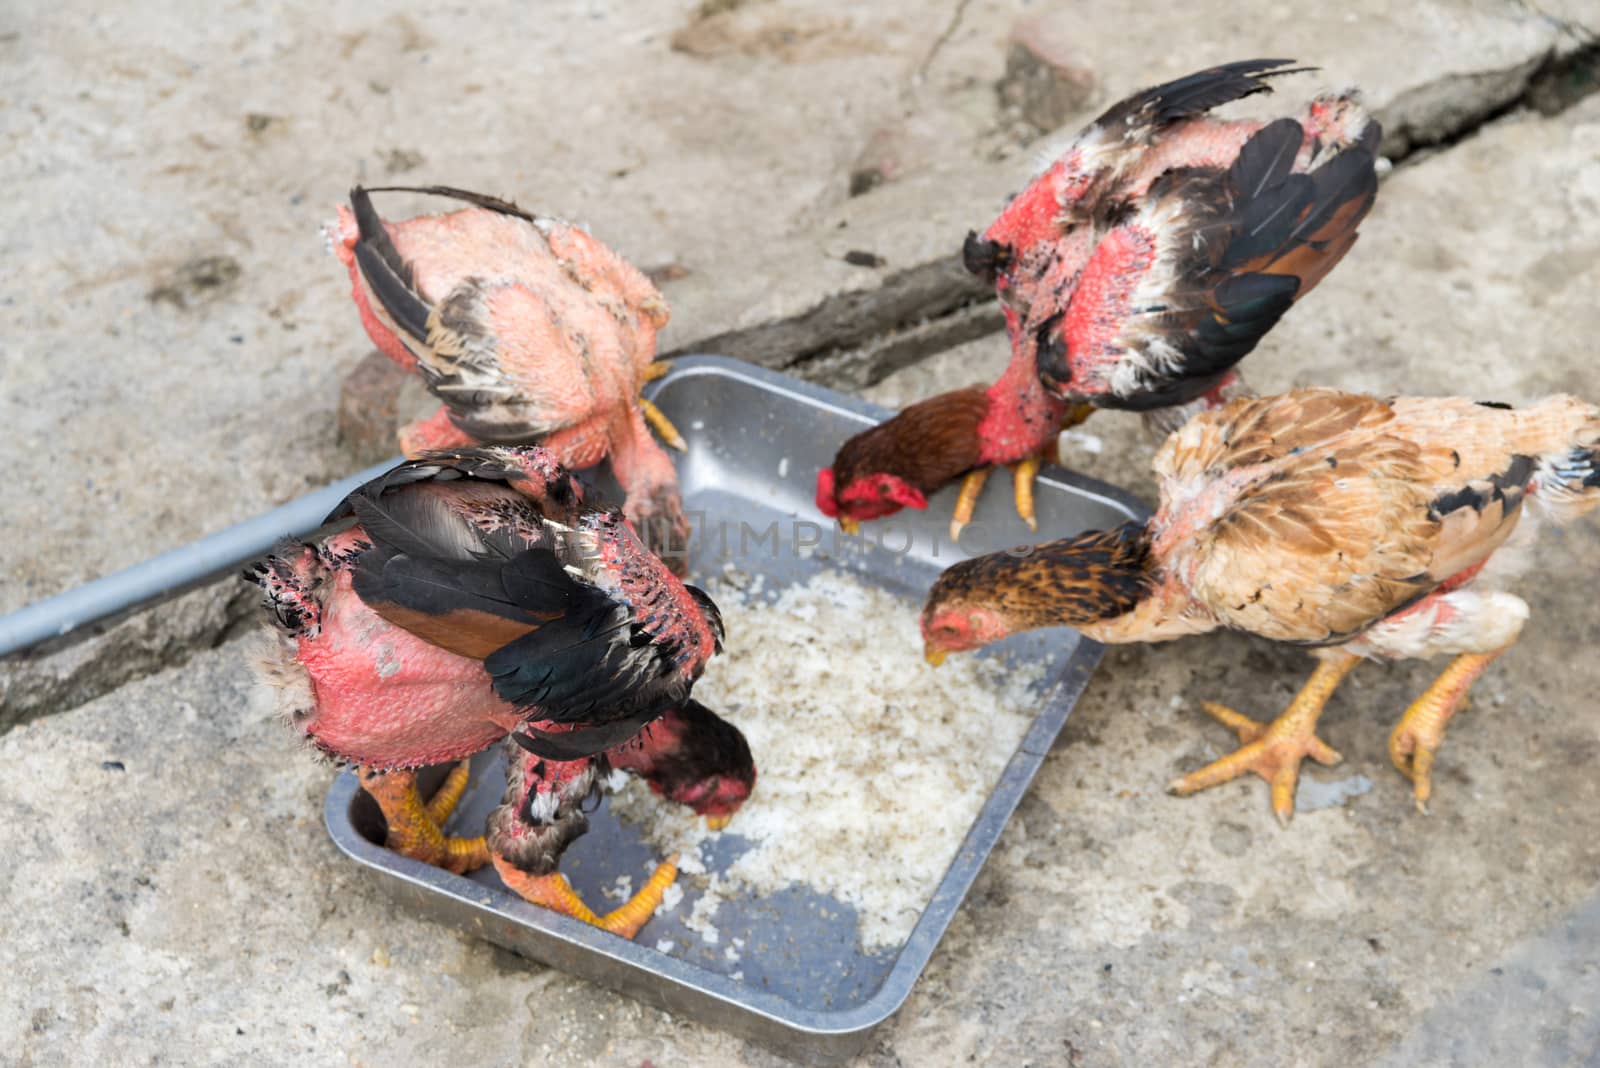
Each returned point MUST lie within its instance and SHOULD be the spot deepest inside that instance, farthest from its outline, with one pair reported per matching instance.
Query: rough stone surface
(190, 908)
(55, 676)
(1046, 79)
(369, 403)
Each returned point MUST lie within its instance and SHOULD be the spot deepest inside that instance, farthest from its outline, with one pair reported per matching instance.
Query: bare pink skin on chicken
(1022, 418)
(572, 287)
(384, 697)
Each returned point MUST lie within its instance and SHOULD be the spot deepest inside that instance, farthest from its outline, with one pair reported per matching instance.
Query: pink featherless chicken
(1151, 257)
(474, 599)
(528, 329)
(1361, 527)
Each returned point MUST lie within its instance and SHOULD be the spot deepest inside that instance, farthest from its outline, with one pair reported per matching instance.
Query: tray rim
(833, 1034)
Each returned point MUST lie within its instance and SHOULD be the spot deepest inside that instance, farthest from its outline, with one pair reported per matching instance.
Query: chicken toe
(1022, 475)
(967, 503)
(448, 795)
(660, 423)
(414, 827)
(1274, 751)
(555, 893)
(662, 426)
(1420, 731)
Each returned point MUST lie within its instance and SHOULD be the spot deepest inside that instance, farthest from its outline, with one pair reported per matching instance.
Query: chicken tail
(385, 271)
(1566, 483)
(1194, 94)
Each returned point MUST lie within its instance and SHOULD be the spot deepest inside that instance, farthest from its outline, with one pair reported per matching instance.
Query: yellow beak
(934, 656)
(716, 823)
(849, 525)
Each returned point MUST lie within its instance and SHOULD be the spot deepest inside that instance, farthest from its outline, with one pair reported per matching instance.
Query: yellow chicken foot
(1420, 731)
(413, 827)
(555, 893)
(967, 503)
(448, 795)
(1022, 476)
(652, 415)
(1274, 751)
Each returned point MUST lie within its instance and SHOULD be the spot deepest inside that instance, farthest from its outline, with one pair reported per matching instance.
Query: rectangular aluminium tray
(805, 987)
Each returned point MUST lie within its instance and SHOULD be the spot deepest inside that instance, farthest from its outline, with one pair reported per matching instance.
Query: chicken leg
(652, 415)
(555, 893)
(1274, 751)
(1420, 731)
(415, 827)
(1023, 474)
(436, 432)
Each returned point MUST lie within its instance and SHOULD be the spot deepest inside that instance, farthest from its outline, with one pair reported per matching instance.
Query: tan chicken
(1362, 528)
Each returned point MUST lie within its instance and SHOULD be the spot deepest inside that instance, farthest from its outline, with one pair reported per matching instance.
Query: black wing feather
(482, 200)
(584, 742)
(1201, 91)
(1349, 176)
(1267, 158)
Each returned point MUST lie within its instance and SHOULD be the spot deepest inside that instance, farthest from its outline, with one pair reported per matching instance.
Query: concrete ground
(175, 338)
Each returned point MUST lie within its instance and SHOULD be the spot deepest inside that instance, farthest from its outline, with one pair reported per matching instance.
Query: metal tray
(805, 987)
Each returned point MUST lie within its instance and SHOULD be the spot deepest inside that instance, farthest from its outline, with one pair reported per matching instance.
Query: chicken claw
(967, 503)
(652, 415)
(555, 893)
(1022, 476)
(1274, 751)
(448, 795)
(414, 827)
(662, 426)
(1420, 731)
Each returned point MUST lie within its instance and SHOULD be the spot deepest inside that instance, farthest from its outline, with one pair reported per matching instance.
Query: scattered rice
(872, 765)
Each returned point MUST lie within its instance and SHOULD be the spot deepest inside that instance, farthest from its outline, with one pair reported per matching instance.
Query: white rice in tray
(871, 765)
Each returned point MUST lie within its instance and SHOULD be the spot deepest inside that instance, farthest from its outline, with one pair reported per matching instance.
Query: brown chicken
(528, 329)
(1359, 527)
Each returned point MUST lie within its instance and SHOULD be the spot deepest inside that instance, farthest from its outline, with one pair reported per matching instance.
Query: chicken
(528, 330)
(1361, 528)
(476, 599)
(1134, 273)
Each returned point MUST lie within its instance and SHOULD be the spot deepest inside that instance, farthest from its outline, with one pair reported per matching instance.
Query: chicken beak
(717, 823)
(933, 656)
(850, 525)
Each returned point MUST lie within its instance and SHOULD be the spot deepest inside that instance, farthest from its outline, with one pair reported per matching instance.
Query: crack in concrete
(943, 39)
